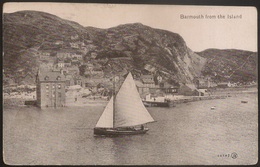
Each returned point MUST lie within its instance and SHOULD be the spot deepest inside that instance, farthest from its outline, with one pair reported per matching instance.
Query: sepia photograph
(129, 84)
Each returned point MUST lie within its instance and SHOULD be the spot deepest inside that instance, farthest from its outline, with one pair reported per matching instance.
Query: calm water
(190, 133)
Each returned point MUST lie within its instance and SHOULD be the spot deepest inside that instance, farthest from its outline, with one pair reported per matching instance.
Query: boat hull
(158, 104)
(117, 132)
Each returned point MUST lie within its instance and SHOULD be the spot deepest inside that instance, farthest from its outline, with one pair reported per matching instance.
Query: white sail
(129, 109)
(106, 119)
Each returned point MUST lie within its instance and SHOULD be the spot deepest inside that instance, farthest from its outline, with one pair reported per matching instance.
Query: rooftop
(146, 76)
(145, 80)
(50, 76)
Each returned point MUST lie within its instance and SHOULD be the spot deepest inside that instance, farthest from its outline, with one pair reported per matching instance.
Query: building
(150, 68)
(44, 53)
(76, 56)
(203, 92)
(77, 80)
(69, 80)
(188, 90)
(58, 43)
(47, 65)
(223, 85)
(67, 64)
(74, 37)
(95, 83)
(63, 55)
(50, 89)
(148, 81)
(203, 83)
(93, 70)
(73, 70)
(60, 64)
(75, 62)
(143, 91)
(168, 88)
(74, 45)
(93, 55)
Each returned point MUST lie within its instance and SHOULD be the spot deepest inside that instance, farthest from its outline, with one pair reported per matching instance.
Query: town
(67, 78)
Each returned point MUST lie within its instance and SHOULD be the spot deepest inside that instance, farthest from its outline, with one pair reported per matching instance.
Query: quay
(198, 98)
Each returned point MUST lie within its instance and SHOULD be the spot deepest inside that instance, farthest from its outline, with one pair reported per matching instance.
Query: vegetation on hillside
(127, 47)
(230, 65)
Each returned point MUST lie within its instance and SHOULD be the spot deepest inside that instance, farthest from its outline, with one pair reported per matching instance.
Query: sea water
(188, 134)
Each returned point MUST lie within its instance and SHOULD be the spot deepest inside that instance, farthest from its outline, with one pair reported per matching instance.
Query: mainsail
(126, 110)
(106, 119)
(129, 109)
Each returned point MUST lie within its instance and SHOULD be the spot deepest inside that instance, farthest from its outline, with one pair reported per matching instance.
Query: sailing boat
(125, 113)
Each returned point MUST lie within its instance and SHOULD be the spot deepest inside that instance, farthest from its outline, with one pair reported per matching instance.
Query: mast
(114, 94)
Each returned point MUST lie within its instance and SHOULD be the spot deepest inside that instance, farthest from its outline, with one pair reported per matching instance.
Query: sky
(198, 29)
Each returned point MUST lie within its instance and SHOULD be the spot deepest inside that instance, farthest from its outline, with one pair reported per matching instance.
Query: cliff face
(156, 49)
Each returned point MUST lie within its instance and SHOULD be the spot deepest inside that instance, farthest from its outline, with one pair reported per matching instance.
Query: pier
(198, 98)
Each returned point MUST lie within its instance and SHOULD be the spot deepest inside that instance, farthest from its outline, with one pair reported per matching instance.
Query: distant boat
(243, 101)
(125, 113)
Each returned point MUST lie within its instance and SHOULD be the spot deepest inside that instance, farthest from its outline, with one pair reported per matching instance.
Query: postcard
(129, 84)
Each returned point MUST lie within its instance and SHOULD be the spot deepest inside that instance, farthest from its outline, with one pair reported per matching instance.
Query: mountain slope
(27, 31)
(230, 65)
(135, 47)
(164, 51)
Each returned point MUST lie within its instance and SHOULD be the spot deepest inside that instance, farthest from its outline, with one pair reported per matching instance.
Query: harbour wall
(198, 98)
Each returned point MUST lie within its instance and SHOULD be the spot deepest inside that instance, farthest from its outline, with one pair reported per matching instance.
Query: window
(47, 88)
(59, 86)
(46, 78)
(53, 86)
(174, 90)
(58, 78)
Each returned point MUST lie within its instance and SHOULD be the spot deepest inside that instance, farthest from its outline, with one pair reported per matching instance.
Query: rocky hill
(135, 47)
(27, 32)
(230, 65)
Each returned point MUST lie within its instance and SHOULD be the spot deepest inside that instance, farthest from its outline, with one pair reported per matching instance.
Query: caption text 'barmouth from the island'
(208, 16)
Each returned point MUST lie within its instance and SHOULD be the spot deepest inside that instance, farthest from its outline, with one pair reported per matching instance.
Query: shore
(19, 100)
(198, 98)
(79, 102)
(229, 91)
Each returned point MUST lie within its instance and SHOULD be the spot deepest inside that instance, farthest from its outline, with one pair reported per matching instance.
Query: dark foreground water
(190, 133)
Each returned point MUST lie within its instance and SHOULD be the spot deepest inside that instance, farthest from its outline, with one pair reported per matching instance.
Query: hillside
(29, 32)
(28, 35)
(230, 65)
